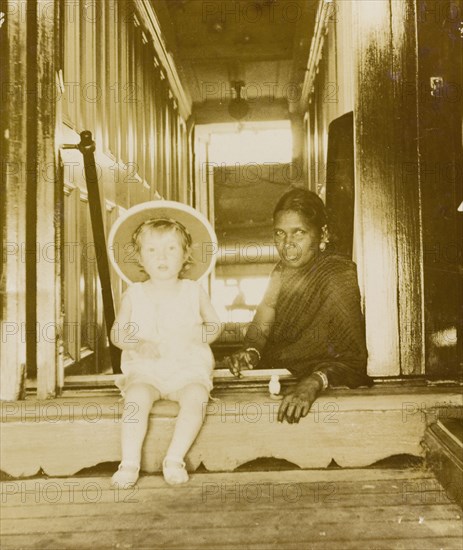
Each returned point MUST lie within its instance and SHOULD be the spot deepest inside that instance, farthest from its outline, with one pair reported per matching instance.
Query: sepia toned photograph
(231, 290)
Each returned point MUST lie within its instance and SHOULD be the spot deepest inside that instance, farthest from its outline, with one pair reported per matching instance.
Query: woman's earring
(325, 239)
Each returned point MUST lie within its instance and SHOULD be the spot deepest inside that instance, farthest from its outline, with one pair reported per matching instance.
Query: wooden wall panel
(48, 303)
(344, 53)
(138, 153)
(84, 65)
(441, 174)
(375, 189)
(408, 236)
(12, 205)
(404, 121)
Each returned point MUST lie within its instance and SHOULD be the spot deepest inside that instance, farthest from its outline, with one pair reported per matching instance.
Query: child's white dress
(177, 327)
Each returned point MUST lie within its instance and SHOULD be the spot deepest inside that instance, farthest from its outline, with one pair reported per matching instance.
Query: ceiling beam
(210, 112)
(236, 52)
(151, 23)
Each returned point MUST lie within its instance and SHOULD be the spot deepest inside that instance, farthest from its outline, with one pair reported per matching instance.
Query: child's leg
(192, 400)
(139, 399)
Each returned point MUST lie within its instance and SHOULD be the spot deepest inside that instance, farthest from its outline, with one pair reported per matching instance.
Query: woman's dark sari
(318, 321)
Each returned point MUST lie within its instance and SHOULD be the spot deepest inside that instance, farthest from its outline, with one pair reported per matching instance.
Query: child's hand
(148, 349)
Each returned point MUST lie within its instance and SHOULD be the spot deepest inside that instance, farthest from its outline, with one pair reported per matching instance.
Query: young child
(164, 327)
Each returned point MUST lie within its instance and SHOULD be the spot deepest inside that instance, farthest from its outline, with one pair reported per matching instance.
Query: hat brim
(121, 249)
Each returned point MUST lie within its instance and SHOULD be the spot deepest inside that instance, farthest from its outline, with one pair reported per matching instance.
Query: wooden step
(355, 428)
(443, 443)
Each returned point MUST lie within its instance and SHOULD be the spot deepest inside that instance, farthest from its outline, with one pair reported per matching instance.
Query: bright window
(252, 146)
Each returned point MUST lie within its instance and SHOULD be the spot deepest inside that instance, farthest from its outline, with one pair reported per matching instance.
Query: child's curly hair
(164, 225)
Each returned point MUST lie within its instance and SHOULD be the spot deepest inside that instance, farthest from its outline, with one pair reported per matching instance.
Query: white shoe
(126, 475)
(174, 471)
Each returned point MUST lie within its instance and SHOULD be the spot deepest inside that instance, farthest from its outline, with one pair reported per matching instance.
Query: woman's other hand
(241, 360)
(297, 402)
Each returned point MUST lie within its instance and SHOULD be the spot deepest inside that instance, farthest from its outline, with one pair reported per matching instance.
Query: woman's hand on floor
(297, 402)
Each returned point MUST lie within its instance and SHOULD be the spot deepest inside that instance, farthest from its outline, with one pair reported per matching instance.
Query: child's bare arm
(212, 326)
(123, 332)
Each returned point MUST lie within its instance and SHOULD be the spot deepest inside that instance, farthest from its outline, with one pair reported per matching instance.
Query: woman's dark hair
(308, 204)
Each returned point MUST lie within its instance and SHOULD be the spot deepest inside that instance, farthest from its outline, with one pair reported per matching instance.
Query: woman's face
(296, 241)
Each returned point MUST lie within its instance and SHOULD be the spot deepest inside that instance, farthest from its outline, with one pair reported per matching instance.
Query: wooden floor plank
(345, 509)
(306, 476)
(369, 509)
(239, 535)
(75, 542)
(49, 489)
(241, 499)
(387, 522)
(234, 493)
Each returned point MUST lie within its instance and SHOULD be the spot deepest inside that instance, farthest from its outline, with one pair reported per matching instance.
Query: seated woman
(309, 320)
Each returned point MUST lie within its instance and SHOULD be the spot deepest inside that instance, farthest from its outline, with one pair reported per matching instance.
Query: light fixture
(218, 27)
(238, 107)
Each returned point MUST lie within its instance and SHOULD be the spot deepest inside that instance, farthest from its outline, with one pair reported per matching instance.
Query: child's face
(161, 254)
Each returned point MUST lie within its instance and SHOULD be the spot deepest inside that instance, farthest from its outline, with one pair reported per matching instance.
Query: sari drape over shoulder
(318, 322)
